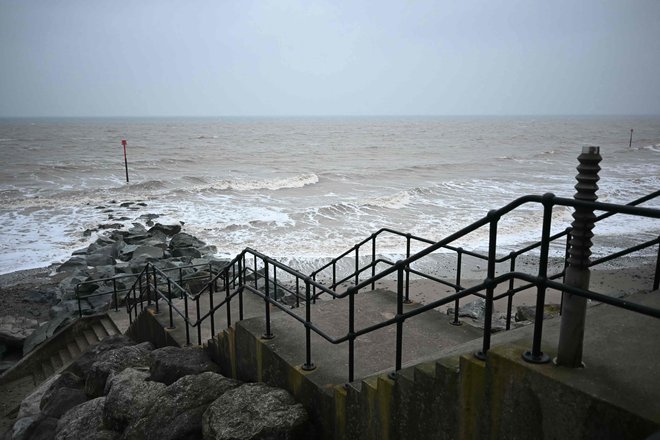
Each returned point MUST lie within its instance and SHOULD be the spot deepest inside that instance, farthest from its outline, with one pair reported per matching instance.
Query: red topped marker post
(123, 142)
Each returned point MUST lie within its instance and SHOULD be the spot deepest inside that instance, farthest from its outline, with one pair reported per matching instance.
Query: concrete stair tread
(423, 334)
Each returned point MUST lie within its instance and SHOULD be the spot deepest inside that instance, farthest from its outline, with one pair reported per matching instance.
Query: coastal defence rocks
(88, 281)
(135, 404)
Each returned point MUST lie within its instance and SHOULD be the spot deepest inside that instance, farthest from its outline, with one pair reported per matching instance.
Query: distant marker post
(630, 143)
(123, 142)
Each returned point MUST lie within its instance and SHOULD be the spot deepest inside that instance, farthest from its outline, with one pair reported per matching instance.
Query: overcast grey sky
(306, 57)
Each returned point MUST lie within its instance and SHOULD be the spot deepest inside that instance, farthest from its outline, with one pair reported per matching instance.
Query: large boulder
(169, 364)
(100, 259)
(184, 240)
(129, 397)
(72, 264)
(85, 421)
(188, 251)
(29, 415)
(255, 411)
(83, 364)
(113, 361)
(38, 427)
(155, 252)
(64, 393)
(46, 331)
(62, 400)
(15, 329)
(168, 230)
(177, 412)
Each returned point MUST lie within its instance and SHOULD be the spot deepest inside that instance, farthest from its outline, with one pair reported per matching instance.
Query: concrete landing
(423, 335)
(618, 390)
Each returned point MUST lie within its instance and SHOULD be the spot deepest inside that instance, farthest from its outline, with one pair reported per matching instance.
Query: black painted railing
(252, 272)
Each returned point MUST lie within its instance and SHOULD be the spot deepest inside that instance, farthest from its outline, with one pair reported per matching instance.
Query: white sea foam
(308, 210)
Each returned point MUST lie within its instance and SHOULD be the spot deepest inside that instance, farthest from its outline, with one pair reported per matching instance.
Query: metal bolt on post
(574, 309)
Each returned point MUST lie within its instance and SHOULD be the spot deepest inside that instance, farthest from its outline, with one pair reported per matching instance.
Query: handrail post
(185, 305)
(298, 293)
(490, 289)
(148, 285)
(198, 322)
(334, 274)
(114, 294)
(536, 356)
(227, 302)
(268, 334)
(407, 298)
(571, 332)
(212, 290)
(351, 334)
(357, 264)
(509, 304)
(169, 301)
(399, 316)
(566, 253)
(241, 280)
(308, 365)
(373, 260)
(459, 263)
(656, 279)
(155, 290)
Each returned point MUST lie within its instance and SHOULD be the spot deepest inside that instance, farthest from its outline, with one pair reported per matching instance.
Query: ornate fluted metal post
(571, 334)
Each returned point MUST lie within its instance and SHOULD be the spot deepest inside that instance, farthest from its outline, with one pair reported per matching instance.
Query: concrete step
(65, 356)
(90, 337)
(99, 331)
(73, 349)
(81, 343)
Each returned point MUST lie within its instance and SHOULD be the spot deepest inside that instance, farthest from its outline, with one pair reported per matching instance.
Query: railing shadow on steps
(244, 272)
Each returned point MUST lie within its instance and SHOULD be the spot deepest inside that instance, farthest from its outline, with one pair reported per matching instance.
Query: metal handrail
(236, 271)
(115, 291)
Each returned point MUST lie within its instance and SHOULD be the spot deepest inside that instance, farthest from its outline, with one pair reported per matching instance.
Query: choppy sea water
(305, 189)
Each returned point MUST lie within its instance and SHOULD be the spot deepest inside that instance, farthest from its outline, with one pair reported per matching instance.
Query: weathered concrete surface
(616, 396)
(279, 361)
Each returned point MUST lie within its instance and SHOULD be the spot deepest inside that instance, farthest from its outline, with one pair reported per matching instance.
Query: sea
(305, 189)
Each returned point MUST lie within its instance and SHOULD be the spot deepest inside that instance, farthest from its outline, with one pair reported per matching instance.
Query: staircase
(49, 358)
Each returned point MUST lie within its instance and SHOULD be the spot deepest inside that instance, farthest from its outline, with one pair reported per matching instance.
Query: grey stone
(129, 397)
(528, 313)
(25, 426)
(255, 411)
(169, 364)
(81, 366)
(62, 400)
(184, 240)
(73, 263)
(31, 405)
(148, 251)
(100, 259)
(14, 330)
(186, 252)
(84, 421)
(64, 380)
(46, 331)
(68, 307)
(168, 230)
(111, 362)
(177, 412)
(43, 429)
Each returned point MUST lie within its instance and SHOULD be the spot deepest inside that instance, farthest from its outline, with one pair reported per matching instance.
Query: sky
(304, 57)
